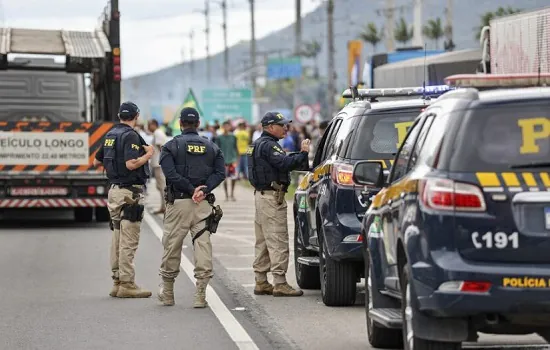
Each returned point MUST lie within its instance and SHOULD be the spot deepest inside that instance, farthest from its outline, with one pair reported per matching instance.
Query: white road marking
(233, 328)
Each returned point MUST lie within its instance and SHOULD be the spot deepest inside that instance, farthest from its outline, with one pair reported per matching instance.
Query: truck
(517, 44)
(59, 94)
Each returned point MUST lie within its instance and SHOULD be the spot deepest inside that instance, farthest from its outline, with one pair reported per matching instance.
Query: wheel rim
(409, 335)
(370, 322)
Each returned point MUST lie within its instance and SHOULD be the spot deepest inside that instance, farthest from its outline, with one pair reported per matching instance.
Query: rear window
(380, 133)
(500, 136)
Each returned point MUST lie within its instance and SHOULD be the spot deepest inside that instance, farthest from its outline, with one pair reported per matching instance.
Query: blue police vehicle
(328, 205)
(457, 241)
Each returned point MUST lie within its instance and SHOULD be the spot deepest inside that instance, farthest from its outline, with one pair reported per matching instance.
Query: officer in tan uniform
(269, 172)
(193, 167)
(125, 156)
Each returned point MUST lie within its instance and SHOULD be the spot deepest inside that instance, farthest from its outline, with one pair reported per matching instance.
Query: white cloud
(152, 32)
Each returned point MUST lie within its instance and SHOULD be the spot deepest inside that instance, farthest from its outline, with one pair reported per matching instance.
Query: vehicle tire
(307, 277)
(338, 280)
(408, 309)
(84, 214)
(379, 336)
(102, 214)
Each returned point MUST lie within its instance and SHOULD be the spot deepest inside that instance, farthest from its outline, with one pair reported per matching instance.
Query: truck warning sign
(49, 148)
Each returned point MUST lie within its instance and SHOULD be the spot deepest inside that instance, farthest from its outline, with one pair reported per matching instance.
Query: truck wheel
(102, 214)
(338, 280)
(307, 277)
(379, 336)
(408, 310)
(84, 214)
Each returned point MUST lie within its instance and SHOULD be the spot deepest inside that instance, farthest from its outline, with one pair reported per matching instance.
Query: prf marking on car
(402, 129)
(386, 163)
(514, 182)
(533, 130)
(525, 282)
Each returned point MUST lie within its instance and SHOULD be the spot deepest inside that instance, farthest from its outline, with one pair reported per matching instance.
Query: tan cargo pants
(161, 184)
(271, 229)
(180, 218)
(125, 235)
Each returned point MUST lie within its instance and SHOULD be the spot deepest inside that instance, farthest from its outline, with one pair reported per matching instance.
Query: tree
(486, 18)
(371, 35)
(402, 33)
(433, 30)
(312, 49)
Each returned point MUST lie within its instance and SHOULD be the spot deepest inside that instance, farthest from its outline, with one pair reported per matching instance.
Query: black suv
(329, 206)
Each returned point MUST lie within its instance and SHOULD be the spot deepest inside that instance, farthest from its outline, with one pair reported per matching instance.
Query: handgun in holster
(169, 196)
(132, 210)
(212, 220)
(279, 192)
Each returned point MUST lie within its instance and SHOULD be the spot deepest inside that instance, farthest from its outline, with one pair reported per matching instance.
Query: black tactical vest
(260, 172)
(194, 157)
(113, 158)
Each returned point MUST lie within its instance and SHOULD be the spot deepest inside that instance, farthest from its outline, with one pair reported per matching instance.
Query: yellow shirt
(243, 140)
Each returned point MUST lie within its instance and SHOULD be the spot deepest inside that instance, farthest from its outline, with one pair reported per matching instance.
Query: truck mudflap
(48, 147)
(17, 203)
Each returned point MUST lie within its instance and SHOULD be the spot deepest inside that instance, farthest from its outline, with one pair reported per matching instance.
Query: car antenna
(424, 82)
(539, 48)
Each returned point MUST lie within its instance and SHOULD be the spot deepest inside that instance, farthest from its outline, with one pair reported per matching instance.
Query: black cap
(189, 114)
(274, 118)
(128, 109)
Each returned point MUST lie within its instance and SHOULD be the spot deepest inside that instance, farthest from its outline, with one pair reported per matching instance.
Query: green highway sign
(222, 104)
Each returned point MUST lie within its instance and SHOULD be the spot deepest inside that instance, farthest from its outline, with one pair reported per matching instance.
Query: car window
(379, 133)
(329, 146)
(497, 137)
(400, 167)
(321, 147)
(420, 142)
(435, 135)
(342, 138)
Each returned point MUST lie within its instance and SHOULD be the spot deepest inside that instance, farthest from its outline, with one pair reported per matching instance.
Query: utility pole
(252, 46)
(417, 26)
(449, 45)
(191, 53)
(225, 50)
(330, 35)
(207, 36)
(389, 12)
(298, 28)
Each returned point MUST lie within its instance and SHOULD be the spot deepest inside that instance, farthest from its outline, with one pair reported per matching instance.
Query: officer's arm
(98, 160)
(218, 175)
(132, 145)
(168, 167)
(279, 160)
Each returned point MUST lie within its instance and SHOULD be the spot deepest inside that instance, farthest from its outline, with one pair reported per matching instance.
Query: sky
(154, 33)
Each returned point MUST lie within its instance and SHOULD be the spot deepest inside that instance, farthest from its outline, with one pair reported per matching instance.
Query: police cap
(271, 118)
(128, 110)
(189, 115)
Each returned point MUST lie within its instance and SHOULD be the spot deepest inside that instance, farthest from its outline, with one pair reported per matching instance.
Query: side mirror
(368, 173)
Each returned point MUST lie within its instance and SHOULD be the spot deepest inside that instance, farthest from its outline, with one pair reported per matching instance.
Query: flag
(190, 101)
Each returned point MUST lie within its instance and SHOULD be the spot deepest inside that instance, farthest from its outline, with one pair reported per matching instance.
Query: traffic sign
(304, 113)
(222, 104)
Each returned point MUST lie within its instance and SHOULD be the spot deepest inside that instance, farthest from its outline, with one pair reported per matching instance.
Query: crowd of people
(233, 137)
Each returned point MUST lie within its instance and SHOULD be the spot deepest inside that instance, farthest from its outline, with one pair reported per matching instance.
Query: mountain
(169, 86)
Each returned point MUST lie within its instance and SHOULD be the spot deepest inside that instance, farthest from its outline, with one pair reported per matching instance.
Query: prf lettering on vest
(136, 147)
(533, 130)
(196, 149)
(109, 142)
(524, 282)
(402, 129)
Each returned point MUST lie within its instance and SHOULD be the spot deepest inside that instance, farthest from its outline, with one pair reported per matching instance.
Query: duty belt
(182, 195)
(133, 188)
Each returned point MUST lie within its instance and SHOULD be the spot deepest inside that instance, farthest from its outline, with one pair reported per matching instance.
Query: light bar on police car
(398, 92)
(498, 80)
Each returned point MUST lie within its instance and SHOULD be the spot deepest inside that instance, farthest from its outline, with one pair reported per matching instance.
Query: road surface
(56, 279)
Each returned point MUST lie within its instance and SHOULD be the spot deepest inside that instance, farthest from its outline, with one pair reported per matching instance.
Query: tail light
(91, 190)
(465, 286)
(342, 174)
(444, 194)
(117, 75)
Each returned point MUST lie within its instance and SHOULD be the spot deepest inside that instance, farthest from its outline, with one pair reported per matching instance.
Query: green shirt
(228, 145)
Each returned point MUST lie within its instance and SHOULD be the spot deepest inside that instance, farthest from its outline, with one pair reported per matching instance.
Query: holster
(169, 196)
(132, 210)
(279, 192)
(212, 220)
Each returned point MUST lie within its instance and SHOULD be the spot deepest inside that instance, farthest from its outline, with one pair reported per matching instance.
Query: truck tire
(307, 277)
(379, 336)
(338, 280)
(102, 214)
(84, 214)
(408, 306)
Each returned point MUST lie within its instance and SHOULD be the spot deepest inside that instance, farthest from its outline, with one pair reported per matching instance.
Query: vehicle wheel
(84, 214)
(102, 214)
(408, 310)
(379, 337)
(307, 277)
(338, 280)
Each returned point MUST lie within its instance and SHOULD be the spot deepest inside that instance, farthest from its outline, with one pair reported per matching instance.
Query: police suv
(328, 206)
(458, 239)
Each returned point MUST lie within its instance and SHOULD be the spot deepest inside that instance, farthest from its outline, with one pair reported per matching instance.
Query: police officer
(193, 167)
(269, 172)
(125, 156)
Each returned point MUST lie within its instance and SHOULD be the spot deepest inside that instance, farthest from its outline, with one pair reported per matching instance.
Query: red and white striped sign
(53, 203)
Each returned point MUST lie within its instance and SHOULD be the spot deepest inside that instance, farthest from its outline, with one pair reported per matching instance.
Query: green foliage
(486, 18)
(433, 30)
(371, 34)
(403, 34)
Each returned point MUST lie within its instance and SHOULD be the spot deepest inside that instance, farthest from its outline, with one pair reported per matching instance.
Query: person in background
(159, 139)
(227, 142)
(243, 140)
(257, 132)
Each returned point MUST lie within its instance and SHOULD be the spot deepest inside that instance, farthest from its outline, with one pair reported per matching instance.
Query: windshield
(498, 137)
(381, 133)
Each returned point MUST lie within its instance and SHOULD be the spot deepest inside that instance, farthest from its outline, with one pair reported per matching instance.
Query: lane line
(233, 328)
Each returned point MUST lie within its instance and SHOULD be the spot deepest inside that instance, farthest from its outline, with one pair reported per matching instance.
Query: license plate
(39, 191)
(547, 217)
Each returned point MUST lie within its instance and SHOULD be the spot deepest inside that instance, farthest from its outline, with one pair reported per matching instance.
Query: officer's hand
(305, 145)
(199, 196)
(149, 149)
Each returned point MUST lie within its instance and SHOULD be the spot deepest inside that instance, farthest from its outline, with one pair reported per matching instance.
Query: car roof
(388, 105)
(517, 94)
